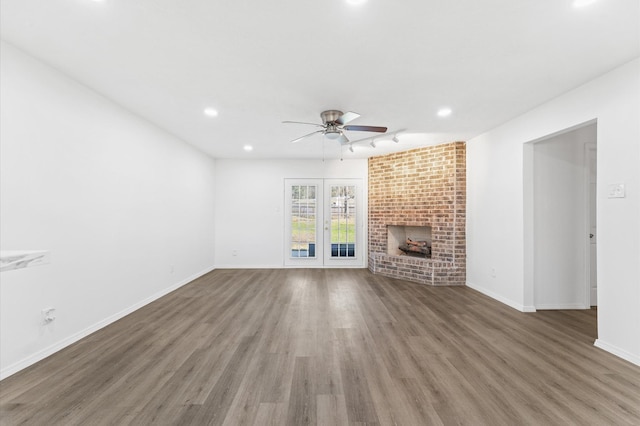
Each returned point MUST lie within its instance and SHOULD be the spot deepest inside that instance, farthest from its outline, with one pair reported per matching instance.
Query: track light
(395, 139)
(373, 143)
(350, 147)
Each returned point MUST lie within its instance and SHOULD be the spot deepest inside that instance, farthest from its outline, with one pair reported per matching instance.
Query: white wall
(561, 220)
(125, 209)
(250, 199)
(495, 203)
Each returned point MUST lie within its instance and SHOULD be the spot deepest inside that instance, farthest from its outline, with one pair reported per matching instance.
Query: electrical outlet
(234, 252)
(48, 315)
(493, 272)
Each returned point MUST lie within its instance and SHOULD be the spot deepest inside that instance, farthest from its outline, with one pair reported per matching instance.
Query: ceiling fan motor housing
(330, 116)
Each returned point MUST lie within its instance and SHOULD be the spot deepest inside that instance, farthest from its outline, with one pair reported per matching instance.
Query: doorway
(323, 223)
(562, 219)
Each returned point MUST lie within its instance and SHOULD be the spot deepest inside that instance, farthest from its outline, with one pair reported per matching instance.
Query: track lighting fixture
(395, 139)
(373, 143)
(350, 147)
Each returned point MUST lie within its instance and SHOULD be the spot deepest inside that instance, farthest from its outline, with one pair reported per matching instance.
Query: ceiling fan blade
(306, 136)
(378, 129)
(301, 122)
(347, 117)
(343, 139)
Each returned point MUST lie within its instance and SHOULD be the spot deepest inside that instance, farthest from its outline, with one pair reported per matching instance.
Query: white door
(323, 223)
(593, 276)
(342, 223)
(303, 222)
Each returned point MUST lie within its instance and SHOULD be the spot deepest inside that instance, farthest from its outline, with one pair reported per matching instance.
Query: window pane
(343, 221)
(303, 221)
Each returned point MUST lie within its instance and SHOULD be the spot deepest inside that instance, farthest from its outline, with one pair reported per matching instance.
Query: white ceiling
(261, 62)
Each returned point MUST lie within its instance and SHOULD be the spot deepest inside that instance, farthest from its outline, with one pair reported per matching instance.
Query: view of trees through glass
(343, 220)
(303, 220)
(304, 205)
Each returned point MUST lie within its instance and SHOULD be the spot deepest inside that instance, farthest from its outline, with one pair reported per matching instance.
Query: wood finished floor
(330, 347)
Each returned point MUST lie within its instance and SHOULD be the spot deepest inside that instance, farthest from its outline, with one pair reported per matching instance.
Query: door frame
(529, 240)
(323, 258)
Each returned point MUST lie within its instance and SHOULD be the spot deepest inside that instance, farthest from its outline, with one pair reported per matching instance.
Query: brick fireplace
(422, 188)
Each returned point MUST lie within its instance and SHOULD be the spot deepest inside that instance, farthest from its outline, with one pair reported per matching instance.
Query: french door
(323, 223)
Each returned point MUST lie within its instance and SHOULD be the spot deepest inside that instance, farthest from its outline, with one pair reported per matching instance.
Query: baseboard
(324, 267)
(253, 266)
(501, 299)
(561, 306)
(249, 266)
(50, 350)
(621, 353)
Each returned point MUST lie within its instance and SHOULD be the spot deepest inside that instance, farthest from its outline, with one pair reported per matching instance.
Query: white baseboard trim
(501, 299)
(50, 350)
(562, 306)
(290, 267)
(249, 266)
(627, 356)
(324, 267)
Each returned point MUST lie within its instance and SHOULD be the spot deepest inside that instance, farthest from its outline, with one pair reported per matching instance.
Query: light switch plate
(615, 190)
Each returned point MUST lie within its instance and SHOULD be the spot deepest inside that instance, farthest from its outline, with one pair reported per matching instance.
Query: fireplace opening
(412, 241)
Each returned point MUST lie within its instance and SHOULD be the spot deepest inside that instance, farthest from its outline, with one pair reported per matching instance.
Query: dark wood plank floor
(330, 347)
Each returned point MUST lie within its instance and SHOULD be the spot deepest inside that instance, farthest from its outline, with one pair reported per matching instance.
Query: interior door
(593, 235)
(323, 223)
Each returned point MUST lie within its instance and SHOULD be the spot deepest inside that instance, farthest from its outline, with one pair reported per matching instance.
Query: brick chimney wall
(420, 187)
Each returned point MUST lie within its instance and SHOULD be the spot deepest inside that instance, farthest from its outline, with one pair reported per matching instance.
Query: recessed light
(210, 112)
(444, 112)
(582, 3)
(248, 148)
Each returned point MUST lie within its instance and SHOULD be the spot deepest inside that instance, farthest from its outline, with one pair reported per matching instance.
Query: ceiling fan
(334, 123)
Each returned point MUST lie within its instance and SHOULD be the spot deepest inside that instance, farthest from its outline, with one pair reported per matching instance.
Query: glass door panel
(303, 222)
(343, 221)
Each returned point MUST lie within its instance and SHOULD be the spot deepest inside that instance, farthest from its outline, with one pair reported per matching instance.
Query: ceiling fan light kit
(332, 132)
